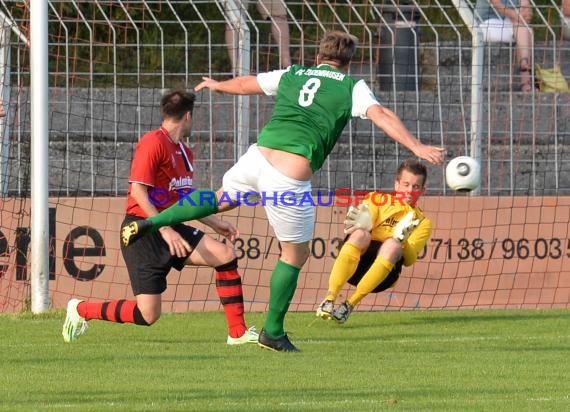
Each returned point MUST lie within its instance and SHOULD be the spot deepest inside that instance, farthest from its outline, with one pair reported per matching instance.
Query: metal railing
(110, 61)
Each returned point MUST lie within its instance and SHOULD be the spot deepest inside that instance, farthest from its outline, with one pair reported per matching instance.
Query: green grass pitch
(510, 360)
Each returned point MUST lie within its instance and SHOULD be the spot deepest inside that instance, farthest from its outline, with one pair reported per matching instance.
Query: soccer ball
(463, 174)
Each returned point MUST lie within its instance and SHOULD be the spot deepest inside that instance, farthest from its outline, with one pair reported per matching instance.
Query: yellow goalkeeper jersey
(386, 211)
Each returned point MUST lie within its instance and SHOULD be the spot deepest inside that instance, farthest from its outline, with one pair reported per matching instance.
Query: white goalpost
(39, 156)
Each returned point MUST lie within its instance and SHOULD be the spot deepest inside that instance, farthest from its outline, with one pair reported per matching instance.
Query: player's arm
(366, 106)
(144, 169)
(374, 210)
(176, 243)
(222, 227)
(414, 245)
(391, 124)
(139, 192)
(242, 85)
(264, 83)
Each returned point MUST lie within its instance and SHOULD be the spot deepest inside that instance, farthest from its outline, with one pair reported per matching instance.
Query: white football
(463, 174)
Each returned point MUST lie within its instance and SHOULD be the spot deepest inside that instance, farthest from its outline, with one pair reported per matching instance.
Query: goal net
(111, 61)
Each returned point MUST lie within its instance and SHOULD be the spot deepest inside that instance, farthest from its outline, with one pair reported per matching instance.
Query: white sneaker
(325, 309)
(250, 336)
(342, 313)
(74, 325)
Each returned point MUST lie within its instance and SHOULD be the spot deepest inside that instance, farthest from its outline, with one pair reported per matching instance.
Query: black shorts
(366, 261)
(149, 260)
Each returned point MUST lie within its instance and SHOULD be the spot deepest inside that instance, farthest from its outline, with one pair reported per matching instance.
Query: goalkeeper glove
(405, 227)
(357, 218)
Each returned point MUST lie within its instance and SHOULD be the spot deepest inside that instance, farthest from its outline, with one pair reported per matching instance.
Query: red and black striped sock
(228, 285)
(118, 311)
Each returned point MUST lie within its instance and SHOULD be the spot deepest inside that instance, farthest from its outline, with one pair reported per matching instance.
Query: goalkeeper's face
(411, 185)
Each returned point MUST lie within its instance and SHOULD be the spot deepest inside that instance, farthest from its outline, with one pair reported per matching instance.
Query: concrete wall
(525, 136)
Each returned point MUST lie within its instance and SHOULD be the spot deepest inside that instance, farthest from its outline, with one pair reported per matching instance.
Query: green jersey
(312, 107)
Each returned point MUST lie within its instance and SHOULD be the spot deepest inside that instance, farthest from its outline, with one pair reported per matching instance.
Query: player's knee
(392, 248)
(298, 257)
(150, 316)
(150, 320)
(228, 254)
(360, 238)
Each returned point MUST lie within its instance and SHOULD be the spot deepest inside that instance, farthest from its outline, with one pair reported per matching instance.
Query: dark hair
(176, 104)
(413, 166)
(338, 46)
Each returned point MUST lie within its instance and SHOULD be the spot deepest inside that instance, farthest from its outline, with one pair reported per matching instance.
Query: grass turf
(439, 360)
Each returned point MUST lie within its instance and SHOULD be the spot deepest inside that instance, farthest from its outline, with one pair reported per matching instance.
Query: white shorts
(285, 200)
(497, 30)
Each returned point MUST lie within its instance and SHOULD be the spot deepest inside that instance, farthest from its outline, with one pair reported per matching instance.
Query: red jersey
(166, 167)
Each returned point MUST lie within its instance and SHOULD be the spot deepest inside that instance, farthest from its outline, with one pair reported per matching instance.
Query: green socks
(282, 287)
(196, 205)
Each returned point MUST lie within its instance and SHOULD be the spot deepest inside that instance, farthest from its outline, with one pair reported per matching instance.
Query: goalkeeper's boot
(342, 313)
(250, 336)
(282, 344)
(74, 324)
(135, 230)
(325, 309)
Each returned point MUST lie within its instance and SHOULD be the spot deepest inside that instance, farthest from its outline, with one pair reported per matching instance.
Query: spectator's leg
(231, 43)
(566, 27)
(565, 19)
(275, 10)
(235, 11)
(280, 31)
(524, 43)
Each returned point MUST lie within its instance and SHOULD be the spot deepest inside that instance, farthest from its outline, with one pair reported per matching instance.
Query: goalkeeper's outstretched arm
(417, 241)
